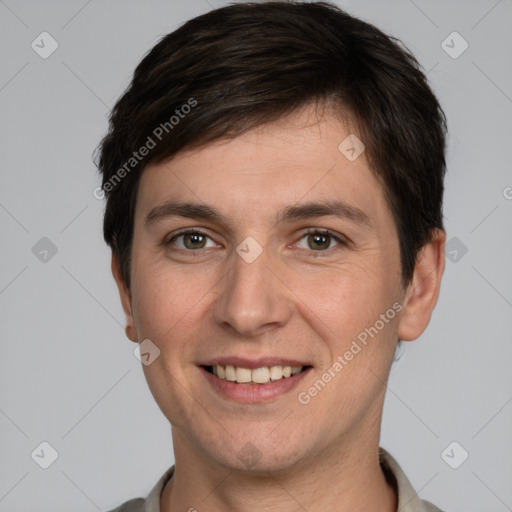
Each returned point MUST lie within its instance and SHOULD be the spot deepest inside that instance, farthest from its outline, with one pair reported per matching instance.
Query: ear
(126, 299)
(423, 291)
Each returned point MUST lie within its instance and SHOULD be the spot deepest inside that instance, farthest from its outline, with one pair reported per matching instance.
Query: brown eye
(320, 240)
(191, 240)
(194, 240)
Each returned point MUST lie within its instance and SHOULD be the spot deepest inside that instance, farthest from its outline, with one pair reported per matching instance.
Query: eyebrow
(302, 211)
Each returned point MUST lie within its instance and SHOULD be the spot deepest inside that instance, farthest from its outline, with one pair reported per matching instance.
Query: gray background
(68, 374)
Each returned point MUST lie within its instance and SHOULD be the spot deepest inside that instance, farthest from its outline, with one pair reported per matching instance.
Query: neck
(348, 478)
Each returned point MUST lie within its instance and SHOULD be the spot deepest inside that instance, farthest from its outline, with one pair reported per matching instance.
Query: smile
(262, 375)
(253, 381)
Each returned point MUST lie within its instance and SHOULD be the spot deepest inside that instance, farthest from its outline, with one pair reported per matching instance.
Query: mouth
(253, 381)
(260, 375)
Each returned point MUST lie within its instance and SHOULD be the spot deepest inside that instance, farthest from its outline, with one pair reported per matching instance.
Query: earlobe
(126, 299)
(422, 293)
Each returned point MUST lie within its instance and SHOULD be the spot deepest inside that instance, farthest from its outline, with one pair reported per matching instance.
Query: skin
(295, 300)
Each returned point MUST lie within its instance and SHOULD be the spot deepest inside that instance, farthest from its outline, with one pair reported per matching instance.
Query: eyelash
(312, 231)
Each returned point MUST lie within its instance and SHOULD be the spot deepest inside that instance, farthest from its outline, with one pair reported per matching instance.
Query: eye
(193, 239)
(320, 239)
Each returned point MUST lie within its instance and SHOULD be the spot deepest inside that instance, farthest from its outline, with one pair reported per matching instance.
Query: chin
(259, 456)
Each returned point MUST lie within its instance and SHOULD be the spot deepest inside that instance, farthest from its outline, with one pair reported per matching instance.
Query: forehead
(257, 176)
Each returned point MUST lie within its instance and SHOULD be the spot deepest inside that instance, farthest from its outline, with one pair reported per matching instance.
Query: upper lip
(253, 363)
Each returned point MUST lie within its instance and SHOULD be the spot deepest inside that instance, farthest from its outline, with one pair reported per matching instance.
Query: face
(256, 283)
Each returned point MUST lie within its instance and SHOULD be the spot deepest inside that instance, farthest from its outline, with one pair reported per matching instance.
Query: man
(274, 182)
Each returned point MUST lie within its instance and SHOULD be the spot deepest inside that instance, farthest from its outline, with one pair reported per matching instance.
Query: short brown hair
(247, 64)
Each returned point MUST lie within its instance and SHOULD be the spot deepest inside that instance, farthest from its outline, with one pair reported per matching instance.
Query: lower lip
(253, 393)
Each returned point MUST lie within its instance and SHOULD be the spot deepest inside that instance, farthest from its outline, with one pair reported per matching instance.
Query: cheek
(361, 337)
(166, 298)
(347, 308)
(168, 309)
(350, 296)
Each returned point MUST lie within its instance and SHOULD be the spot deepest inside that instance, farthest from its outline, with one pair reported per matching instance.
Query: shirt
(408, 500)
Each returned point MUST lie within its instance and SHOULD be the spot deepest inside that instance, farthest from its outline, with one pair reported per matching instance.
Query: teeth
(243, 375)
(230, 373)
(261, 375)
(276, 372)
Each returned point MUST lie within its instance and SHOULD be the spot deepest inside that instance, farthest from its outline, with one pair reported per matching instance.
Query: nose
(253, 297)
